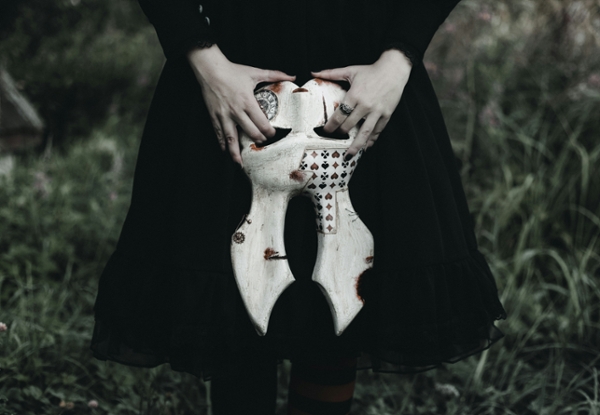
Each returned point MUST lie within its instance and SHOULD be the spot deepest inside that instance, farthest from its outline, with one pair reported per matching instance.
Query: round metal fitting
(268, 102)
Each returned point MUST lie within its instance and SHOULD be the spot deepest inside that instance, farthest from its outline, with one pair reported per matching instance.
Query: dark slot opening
(280, 133)
(335, 134)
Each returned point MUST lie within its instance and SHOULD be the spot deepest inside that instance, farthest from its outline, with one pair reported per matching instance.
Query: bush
(80, 61)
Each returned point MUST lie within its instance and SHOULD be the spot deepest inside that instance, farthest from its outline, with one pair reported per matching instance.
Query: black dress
(167, 293)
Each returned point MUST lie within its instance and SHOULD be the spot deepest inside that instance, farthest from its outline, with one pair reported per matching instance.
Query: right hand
(228, 92)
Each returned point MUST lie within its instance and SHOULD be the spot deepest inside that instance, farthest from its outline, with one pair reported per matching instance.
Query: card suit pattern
(331, 173)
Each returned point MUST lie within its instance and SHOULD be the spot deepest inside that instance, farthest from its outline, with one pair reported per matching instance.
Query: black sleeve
(179, 24)
(411, 25)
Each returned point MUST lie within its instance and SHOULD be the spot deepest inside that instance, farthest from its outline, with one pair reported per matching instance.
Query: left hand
(375, 91)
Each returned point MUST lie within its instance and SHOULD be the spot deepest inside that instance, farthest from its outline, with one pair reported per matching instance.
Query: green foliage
(519, 84)
(82, 60)
(60, 216)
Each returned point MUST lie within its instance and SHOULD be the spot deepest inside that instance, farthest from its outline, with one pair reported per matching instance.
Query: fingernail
(348, 157)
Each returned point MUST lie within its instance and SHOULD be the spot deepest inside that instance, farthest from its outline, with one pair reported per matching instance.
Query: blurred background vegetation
(519, 84)
(80, 61)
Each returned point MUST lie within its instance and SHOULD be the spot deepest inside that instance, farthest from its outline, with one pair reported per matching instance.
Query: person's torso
(299, 36)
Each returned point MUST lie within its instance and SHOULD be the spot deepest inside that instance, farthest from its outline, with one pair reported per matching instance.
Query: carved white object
(300, 163)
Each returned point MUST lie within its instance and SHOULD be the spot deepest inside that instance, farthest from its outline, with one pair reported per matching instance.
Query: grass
(527, 133)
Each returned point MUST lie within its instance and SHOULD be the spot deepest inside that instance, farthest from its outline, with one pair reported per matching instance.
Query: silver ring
(346, 109)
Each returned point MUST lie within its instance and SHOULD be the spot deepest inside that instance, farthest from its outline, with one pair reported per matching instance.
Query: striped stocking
(322, 387)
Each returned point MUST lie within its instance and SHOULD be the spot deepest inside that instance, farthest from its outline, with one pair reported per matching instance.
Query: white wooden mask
(301, 163)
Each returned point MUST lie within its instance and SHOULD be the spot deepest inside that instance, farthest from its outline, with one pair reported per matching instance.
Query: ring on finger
(346, 109)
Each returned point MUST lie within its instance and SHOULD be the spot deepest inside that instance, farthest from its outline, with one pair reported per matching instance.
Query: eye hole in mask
(280, 133)
(334, 134)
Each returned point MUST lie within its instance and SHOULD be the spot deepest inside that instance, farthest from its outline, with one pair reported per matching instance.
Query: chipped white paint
(300, 163)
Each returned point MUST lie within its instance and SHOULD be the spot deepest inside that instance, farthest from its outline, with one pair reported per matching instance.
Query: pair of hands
(228, 91)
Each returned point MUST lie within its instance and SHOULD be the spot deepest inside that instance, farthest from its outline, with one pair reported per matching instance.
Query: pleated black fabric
(167, 294)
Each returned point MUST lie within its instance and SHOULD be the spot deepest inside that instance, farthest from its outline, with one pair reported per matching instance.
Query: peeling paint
(321, 81)
(297, 176)
(276, 87)
(270, 254)
(360, 287)
(369, 259)
(299, 90)
(253, 147)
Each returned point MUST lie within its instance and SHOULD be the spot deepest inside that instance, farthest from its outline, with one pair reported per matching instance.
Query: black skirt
(167, 294)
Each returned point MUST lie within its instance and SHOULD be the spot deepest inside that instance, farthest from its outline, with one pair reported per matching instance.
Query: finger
(218, 132)
(338, 117)
(267, 75)
(360, 112)
(337, 74)
(231, 137)
(243, 120)
(260, 120)
(379, 127)
(362, 136)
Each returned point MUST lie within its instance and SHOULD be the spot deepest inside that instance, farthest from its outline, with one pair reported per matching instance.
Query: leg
(253, 391)
(322, 386)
